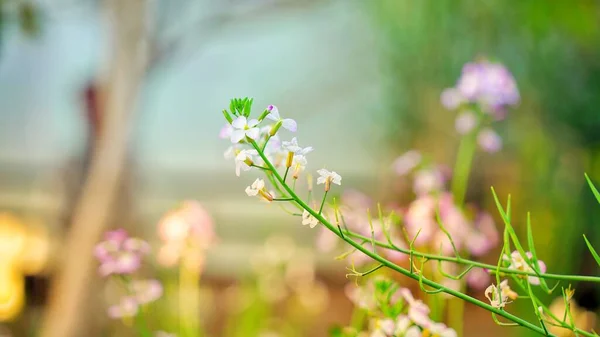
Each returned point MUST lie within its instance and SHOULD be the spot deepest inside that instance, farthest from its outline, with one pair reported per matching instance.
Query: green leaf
(592, 250)
(593, 188)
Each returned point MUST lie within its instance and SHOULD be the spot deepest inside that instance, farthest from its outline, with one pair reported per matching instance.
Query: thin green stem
(394, 266)
(463, 261)
(323, 202)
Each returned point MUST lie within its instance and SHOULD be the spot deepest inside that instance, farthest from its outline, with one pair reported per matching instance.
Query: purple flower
(489, 141)
(465, 122)
(451, 98)
(488, 84)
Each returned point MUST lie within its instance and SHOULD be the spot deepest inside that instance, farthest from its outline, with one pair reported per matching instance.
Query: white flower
(500, 294)
(226, 131)
(299, 163)
(517, 262)
(258, 188)
(308, 219)
(243, 160)
(244, 128)
(328, 177)
(286, 123)
(292, 146)
(413, 331)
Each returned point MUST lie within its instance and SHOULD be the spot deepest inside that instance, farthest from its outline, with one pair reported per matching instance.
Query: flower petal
(289, 124)
(237, 135)
(239, 123)
(253, 133)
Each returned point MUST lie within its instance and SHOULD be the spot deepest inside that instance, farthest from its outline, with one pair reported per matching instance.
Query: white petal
(413, 331)
(306, 150)
(253, 122)
(321, 180)
(253, 133)
(239, 123)
(274, 114)
(323, 172)
(251, 192)
(238, 166)
(289, 124)
(237, 135)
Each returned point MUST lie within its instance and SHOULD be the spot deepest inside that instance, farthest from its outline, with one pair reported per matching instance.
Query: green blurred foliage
(553, 50)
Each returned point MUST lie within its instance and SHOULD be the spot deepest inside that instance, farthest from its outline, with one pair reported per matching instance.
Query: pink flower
(120, 254)
(465, 122)
(146, 291)
(127, 307)
(418, 312)
(407, 162)
(518, 262)
(483, 236)
(478, 278)
(427, 181)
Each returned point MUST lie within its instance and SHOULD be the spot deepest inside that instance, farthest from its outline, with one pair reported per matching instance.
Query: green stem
(464, 261)
(394, 266)
(462, 167)
(323, 202)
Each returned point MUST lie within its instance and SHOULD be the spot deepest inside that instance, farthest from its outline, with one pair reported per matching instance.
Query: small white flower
(286, 123)
(244, 128)
(256, 187)
(292, 146)
(243, 160)
(308, 219)
(299, 163)
(328, 177)
(499, 295)
(517, 262)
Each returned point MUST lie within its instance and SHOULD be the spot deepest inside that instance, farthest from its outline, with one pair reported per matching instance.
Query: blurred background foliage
(553, 50)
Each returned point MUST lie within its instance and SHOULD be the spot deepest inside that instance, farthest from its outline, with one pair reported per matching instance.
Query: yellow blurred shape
(582, 319)
(23, 250)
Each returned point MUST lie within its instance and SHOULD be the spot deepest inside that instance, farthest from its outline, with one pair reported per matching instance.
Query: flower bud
(309, 180)
(289, 159)
(265, 195)
(275, 128)
(248, 161)
(264, 115)
(227, 116)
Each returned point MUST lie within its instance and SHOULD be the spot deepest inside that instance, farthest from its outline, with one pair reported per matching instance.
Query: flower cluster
(393, 311)
(121, 256)
(259, 146)
(485, 89)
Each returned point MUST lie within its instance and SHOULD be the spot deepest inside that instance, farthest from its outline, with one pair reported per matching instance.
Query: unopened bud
(296, 173)
(309, 180)
(266, 195)
(227, 116)
(275, 128)
(264, 115)
(289, 159)
(248, 161)
(327, 184)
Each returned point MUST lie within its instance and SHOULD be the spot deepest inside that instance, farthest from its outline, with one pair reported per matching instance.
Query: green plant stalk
(462, 167)
(392, 265)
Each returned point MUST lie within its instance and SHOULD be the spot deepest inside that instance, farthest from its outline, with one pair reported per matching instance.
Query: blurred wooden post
(68, 308)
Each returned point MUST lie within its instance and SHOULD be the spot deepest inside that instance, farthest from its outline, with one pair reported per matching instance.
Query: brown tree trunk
(68, 309)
